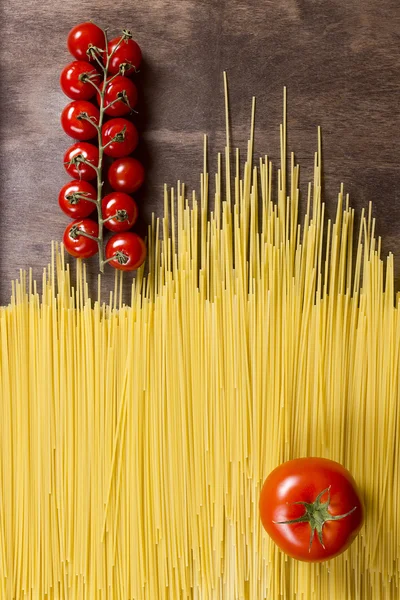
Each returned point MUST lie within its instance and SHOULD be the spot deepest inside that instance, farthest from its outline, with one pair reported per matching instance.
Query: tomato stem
(118, 99)
(85, 117)
(120, 256)
(126, 66)
(78, 160)
(316, 514)
(97, 54)
(76, 196)
(113, 77)
(121, 215)
(118, 137)
(93, 52)
(123, 97)
(76, 232)
(102, 92)
(89, 80)
(89, 77)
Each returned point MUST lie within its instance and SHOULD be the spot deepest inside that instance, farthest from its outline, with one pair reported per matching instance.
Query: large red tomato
(311, 508)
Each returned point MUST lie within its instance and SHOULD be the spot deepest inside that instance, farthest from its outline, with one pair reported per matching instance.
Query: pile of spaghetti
(134, 439)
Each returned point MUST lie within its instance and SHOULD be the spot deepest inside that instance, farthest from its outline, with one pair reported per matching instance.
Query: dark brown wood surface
(339, 59)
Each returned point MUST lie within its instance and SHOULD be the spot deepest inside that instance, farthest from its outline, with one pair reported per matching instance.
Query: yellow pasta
(134, 439)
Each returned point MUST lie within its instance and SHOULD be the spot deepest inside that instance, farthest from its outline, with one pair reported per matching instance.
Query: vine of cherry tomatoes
(103, 97)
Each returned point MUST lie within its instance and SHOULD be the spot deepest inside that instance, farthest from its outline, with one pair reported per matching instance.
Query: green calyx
(317, 514)
(120, 136)
(121, 215)
(121, 257)
(126, 35)
(74, 232)
(76, 196)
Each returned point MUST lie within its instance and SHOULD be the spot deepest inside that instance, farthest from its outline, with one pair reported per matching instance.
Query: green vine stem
(76, 196)
(96, 54)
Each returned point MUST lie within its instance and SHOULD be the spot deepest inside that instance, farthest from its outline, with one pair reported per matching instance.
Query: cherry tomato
(73, 83)
(75, 125)
(126, 175)
(72, 199)
(128, 249)
(127, 54)
(311, 508)
(122, 205)
(78, 245)
(72, 161)
(83, 35)
(128, 137)
(121, 91)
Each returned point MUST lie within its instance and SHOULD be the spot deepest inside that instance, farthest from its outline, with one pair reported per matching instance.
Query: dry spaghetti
(134, 439)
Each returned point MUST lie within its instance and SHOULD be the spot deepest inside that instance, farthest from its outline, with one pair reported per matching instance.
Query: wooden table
(339, 59)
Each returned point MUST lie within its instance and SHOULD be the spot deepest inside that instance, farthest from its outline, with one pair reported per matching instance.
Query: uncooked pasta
(135, 437)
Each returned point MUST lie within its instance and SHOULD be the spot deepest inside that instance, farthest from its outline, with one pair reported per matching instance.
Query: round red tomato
(74, 80)
(74, 157)
(128, 56)
(82, 36)
(120, 97)
(127, 251)
(125, 134)
(74, 119)
(78, 244)
(311, 508)
(126, 175)
(72, 199)
(122, 207)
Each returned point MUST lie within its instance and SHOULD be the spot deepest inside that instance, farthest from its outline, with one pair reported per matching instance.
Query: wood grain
(339, 59)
